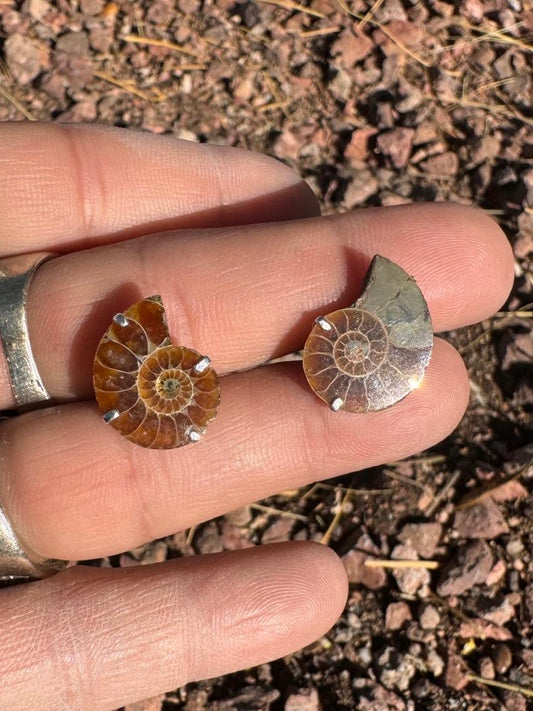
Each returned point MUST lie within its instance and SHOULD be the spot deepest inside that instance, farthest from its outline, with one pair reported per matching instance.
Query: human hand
(91, 638)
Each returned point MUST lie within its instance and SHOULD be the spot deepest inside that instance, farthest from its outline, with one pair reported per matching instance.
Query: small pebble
(482, 520)
(429, 617)
(396, 615)
(497, 572)
(514, 701)
(304, 700)
(73, 43)
(423, 537)
(470, 566)
(435, 663)
(409, 580)
(515, 547)
(91, 7)
(502, 658)
(486, 668)
(23, 58)
(364, 655)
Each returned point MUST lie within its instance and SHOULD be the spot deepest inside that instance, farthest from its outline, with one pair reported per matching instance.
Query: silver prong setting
(111, 415)
(120, 320)
(202, 365)
(323, 323)
(194, 436)
(337, 404)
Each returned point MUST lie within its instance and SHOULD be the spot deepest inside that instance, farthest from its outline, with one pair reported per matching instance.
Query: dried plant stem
(429, 459)
(442, 493)
(278, 512)
(273, 106)
(190, 535)
(368, 16)
(499, 35)
(382, 563)
(509, 112)
(306, 34)
(482, 495)
(309, 493)
(136, 39)
(502, 685)
(475, 340)
(517, 314)
(502, 317)
(16, 103)
(405, 480)
(326, 538)
(393, 38)
(122, 84)
(353, 492)
(294, 7)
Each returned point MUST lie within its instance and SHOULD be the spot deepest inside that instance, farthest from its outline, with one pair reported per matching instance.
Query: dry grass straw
(309, 34)
(135, 39)
(499, 321)
(367, 19)
(502, 685)
(387, 563)
(125, 84)
(368, 16)
(5, 74)
(279, 512)
(294, 7)
(326, 538)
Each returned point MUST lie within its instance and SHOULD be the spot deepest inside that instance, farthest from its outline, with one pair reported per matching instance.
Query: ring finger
(74, 489)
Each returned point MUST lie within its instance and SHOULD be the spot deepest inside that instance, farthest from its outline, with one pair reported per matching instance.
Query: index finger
(68, 186)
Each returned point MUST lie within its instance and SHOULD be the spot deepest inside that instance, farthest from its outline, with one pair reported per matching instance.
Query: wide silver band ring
(16, 566)
(15, 276)
(16, 273)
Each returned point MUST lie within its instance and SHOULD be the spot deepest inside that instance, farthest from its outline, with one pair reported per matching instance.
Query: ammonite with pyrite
(372, 354)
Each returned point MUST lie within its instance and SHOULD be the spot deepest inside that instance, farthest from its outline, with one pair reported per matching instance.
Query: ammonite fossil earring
(369, 356)
(155, 394)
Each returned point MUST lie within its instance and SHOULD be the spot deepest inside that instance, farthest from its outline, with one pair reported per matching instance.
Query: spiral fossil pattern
(155, 394)
(369, 356)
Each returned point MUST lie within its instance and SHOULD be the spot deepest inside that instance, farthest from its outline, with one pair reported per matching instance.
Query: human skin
(234, 243)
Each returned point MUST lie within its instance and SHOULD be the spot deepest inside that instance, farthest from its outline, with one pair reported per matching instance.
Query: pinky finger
(99, 638)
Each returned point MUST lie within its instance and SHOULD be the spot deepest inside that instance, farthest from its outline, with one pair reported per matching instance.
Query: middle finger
(247, 294)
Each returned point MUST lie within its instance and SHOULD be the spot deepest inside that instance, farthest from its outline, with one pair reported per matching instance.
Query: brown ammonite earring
(372, 354)
(155, 394)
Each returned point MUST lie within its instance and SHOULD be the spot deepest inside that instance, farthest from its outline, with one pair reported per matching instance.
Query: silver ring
(15, 276)
(16, 566)
(16, 273)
